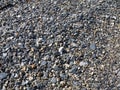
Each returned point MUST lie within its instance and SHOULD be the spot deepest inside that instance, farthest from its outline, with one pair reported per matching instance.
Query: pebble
(4, 54)
(45, 75)
(30, 78)
(23, 68)
(92, 46)
(73, 69)
(47, 57)
(3, 75)
(25, 82)
(76, 83)
(33, 66)
(62, 83)
(43, 63)
(74, 44)
(118, 73)
(38, 40)
(53, 79)
(61, 49)
(83, 63)
(63, 76)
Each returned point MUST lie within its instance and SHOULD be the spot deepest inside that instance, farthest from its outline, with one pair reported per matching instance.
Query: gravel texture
(59, 45)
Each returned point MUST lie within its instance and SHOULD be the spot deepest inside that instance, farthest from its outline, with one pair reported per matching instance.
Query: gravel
(59, 45)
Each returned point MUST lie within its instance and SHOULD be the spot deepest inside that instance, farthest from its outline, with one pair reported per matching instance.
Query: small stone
(61, 49)
(118, 25)
(9, 38)
(76, 83)
(69, 88)
(30, 78)
(92, 46)
(45, 76)
(18, 16)
(74, 44)
(16, 75)
(114, 17)
(25, 82)
(33, 66)
(73, 69)
(118, 73)
(3, 75)
(23, 68)
(39, 74)
(67, 66)
(54, 80)
(43, 63)
(84, 45)
(62, 83)
(28, 88)
(3, 88)
(56, 68)
(62, 75)
(56, 54)
(83, 63)
(46, 57)
(118, 85)
(38, 41)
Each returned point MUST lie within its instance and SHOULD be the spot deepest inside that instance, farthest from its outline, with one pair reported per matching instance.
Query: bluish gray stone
(54, 80)
(92, 46)
(43, 63)
(3, 75)
(73, 69)
(83, 63)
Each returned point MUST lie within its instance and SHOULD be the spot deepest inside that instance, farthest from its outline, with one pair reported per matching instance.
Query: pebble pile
(59, 45)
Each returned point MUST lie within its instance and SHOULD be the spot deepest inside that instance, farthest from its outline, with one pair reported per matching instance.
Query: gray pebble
(43, 63)
(3, 75)
(45, 76)
(61, 50)
(73, 69)
(83, 63)
(118, 73)
(25, 82)
(74, 44)
(57, 68)
(76, 83)
(92, 46)
(4, 54)
(53, 79)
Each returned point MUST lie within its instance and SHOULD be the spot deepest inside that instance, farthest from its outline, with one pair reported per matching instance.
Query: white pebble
(61, 50)
(4, 54)
(38, 41)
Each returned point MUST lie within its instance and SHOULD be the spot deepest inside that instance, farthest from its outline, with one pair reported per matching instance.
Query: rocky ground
(59, 45)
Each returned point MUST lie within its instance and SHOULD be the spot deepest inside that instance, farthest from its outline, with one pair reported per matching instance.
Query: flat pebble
(43, 63)
(92, 46)
(53, 79)
(3, 75)
(83, 63)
